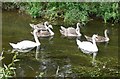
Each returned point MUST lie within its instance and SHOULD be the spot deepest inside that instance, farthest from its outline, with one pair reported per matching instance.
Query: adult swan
(26, 44)
(88, 47)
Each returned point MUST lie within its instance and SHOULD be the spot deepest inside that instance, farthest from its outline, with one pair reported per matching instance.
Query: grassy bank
(69, 11)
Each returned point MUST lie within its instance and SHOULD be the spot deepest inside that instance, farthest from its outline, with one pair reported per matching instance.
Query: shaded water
(57, 53)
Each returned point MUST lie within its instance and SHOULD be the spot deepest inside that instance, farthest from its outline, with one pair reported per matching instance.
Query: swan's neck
(51, 32)
(106, 36)
(78, 32)
(46, 26)
(94, 42)
(78, 28)
(36, 39)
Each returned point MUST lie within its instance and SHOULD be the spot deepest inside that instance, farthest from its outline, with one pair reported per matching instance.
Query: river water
(57, 53)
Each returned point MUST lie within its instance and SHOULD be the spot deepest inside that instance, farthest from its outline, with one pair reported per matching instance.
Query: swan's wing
(40, 25)
(26, 44)
(88, 47)
(85, 44)
(71, 30)
(100, 39)
(43, 34)
(24, 50)
(13, 45)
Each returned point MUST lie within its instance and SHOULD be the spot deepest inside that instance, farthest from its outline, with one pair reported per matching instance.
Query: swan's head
(46, 23)
(78, 24)
(94, 36)
(50, 26)
(106, 31)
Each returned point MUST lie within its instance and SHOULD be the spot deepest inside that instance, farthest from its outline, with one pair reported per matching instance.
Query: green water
(57, 52)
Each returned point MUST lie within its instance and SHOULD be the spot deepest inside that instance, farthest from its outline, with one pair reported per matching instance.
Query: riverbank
(70, 12)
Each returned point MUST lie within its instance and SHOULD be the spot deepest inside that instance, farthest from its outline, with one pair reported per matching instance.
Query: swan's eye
(38, 30)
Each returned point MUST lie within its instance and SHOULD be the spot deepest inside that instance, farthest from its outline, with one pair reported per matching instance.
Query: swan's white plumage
(88, 47)
(26, 44)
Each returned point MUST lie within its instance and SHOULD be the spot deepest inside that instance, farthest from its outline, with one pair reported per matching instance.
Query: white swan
(99, 38)
(26, 44)
(88, 47)
(70, 31)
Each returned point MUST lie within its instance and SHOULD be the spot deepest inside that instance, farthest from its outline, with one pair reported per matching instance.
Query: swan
(26, 44)
(70, 31)
(39, 26)
(99, 38)
(45, 33)
(88, 47)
